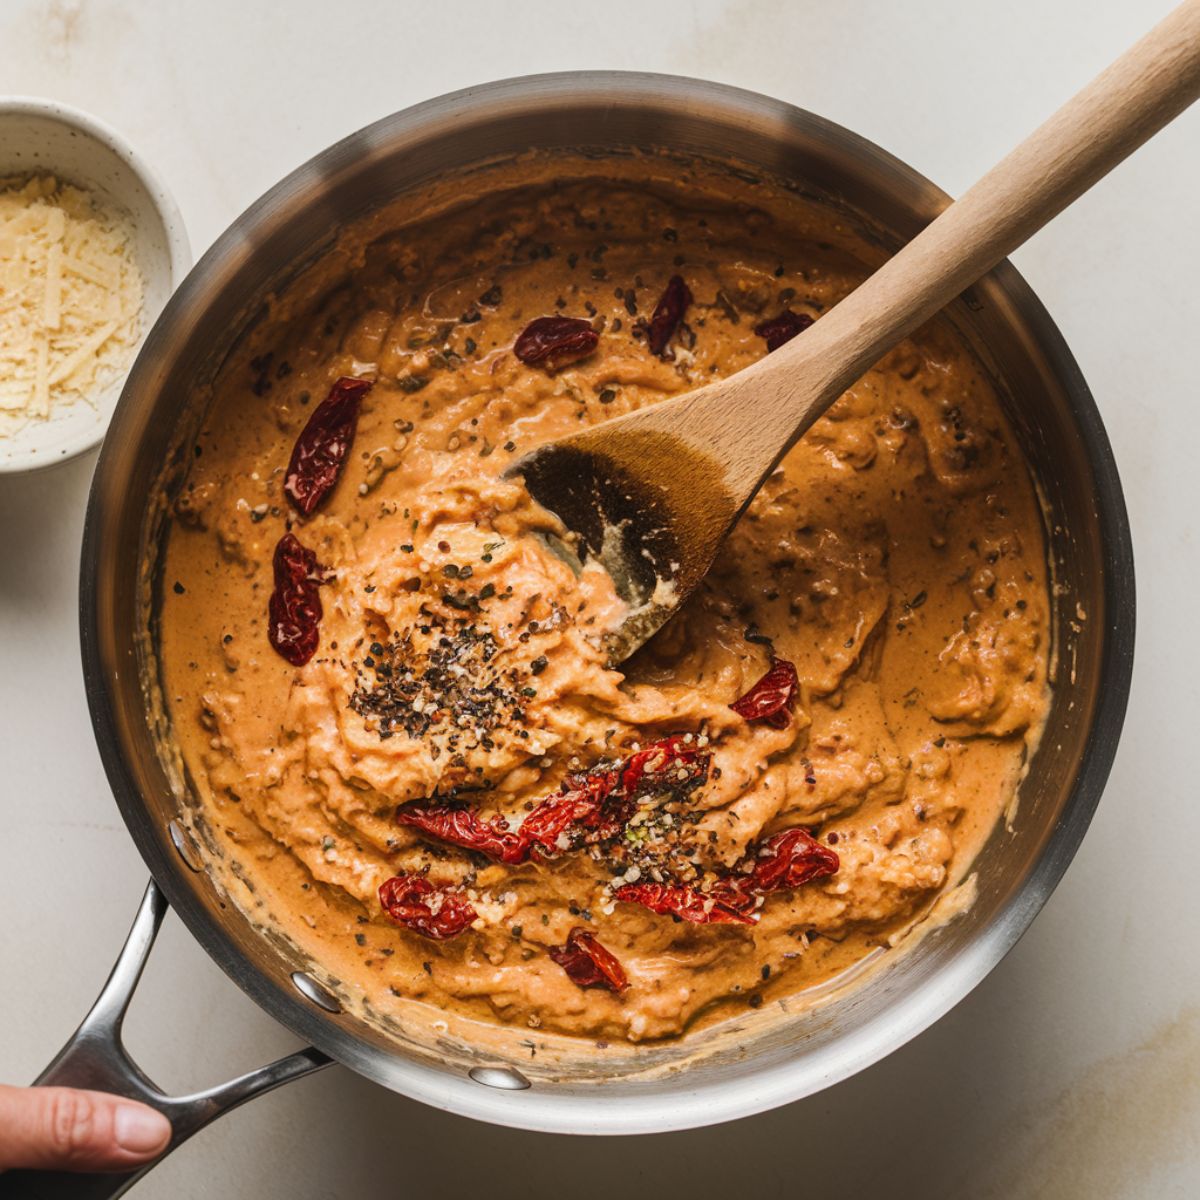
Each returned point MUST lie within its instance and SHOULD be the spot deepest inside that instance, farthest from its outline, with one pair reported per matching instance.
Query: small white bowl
(44, 136)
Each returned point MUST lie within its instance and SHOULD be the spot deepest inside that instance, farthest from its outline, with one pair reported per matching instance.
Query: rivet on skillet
(310, 989)
(507, 1078)
(184, 846)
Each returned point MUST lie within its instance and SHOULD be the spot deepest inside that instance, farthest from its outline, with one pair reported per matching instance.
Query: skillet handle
(96, 1058)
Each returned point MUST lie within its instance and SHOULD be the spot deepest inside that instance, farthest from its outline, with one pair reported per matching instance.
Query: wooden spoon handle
(1141, 92)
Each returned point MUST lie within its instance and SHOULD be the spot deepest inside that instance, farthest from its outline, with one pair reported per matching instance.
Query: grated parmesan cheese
(70, 299)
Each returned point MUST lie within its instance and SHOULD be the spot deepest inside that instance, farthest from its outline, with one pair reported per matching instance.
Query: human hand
(67, 1129)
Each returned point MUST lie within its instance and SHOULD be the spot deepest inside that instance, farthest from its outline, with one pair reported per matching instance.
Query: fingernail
(140, 1130)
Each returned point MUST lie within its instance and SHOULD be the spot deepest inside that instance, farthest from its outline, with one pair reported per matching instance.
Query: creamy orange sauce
(896, 558)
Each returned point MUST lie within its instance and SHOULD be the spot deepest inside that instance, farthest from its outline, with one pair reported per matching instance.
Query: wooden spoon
(652, 494)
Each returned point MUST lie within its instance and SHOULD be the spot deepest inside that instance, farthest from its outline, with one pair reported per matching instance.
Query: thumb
(74, 1130)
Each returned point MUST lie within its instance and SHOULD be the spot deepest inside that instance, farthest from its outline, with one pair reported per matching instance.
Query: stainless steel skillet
(710, 1078)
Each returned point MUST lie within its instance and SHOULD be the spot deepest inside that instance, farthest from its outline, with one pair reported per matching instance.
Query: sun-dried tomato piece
(789, 860)
(435, 911)
(591, 807)
(668, 312)
(595, 806)
(554, 342)
(780, 329)
(563, 818)
(783, 862)
(294, 610)
(675, 753)
(323, 444)
(462, 827)
(722, 905)
(770, 699)
(588, 963)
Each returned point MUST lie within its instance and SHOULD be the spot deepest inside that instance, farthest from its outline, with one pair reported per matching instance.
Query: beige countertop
(1074, 1070)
